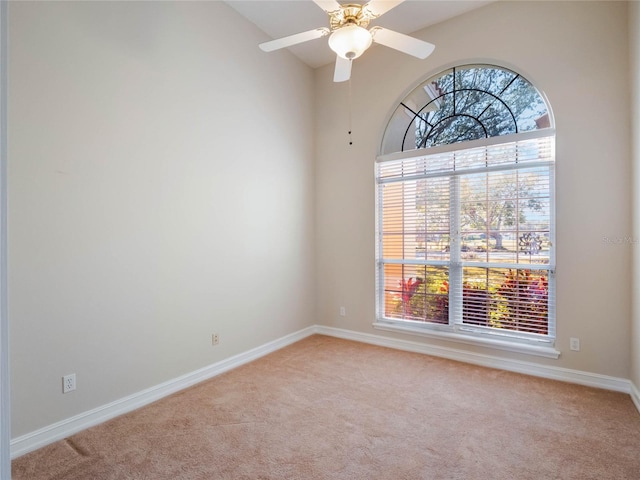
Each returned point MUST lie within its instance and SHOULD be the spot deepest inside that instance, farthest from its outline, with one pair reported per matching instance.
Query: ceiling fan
(349, 36)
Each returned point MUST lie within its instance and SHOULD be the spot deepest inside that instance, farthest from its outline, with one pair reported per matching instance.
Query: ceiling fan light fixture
(350, 41)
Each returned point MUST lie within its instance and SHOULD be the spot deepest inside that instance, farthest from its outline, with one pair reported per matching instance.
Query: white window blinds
(465, 237)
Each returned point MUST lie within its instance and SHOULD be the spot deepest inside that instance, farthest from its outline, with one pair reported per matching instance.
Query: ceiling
(279, 18)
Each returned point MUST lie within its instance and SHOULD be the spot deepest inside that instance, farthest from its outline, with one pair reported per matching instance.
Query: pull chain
(350, 139)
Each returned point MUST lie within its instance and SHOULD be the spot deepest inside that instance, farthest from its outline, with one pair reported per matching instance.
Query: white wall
(577, 54)
(160, 189)
(634, 44)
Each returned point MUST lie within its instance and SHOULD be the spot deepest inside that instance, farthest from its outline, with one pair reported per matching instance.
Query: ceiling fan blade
(404, 43)
(342, 72)
(379, 7)
(294, 39)
(328, 5)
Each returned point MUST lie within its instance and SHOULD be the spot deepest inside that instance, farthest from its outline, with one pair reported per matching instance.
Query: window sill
(481, 341)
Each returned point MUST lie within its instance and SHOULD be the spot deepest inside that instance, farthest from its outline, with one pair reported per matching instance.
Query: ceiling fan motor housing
(350, 14)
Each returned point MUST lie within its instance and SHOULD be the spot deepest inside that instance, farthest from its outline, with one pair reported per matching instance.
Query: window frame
(455, 330)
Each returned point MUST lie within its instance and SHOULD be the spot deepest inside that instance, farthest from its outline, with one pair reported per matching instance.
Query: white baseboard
(63, 429)
(635, 396)
(67, 427)
(529, 368)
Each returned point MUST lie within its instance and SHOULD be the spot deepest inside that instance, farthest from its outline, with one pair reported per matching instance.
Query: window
(465, 228)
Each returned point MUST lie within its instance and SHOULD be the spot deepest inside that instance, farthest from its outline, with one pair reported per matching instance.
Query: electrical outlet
(343, 312)
(215, 339)
(574, 344)
(69, 383)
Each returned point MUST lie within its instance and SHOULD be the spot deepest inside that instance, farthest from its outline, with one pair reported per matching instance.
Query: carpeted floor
(326, 408)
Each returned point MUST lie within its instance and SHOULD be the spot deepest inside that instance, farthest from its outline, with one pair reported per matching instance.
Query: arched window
(465, 228)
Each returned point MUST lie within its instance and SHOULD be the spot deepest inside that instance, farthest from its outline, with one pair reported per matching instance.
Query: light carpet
(325, 408)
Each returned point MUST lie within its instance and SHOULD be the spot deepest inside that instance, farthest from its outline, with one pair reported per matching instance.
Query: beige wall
(577, 54)
(160, 189)
(634, 43)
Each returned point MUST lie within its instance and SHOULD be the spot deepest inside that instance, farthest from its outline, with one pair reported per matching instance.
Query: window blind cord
(349, 104)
